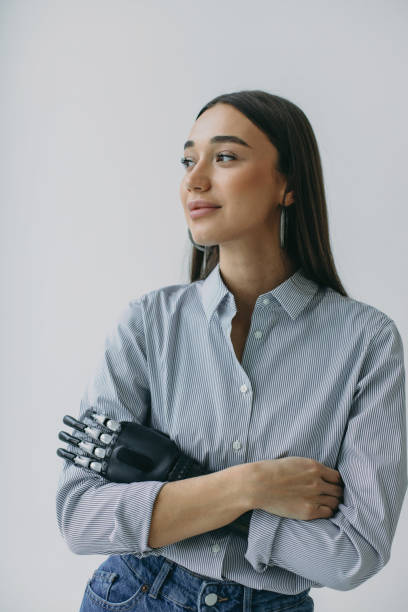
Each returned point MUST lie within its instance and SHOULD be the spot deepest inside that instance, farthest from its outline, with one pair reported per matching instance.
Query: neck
(251, 279)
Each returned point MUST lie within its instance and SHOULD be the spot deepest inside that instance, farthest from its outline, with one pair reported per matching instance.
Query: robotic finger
(105, 441)
(103, 420)
(97, 433)
(89, 447)
(82, 461)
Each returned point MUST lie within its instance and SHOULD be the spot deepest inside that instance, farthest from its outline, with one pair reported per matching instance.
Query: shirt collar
(293, 294)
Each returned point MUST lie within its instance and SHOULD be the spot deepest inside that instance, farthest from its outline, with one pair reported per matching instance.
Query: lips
(201, 204)
(200, 212)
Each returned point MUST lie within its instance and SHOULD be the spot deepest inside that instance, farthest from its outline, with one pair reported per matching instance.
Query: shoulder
(164, 300)
(356, 317)
(158, 304)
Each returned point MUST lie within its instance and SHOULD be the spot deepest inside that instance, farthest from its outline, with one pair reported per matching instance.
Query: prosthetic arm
(123, 451)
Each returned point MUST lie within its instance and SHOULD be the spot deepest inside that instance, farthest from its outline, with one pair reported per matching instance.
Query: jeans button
(211, 599)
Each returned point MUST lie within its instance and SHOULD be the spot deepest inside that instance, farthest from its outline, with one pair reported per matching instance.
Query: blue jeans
(126, 583)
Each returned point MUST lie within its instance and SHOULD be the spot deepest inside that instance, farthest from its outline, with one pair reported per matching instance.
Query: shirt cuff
(133, 516)
(262, 531)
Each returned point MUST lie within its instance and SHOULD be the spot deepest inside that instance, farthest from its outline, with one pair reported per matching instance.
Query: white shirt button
(211, 599)
(243, 388)
(258, 334)
(236, 444)
(265, 300)
(215, 548)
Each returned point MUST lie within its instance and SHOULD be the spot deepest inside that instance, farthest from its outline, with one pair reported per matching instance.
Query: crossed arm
(341, 552)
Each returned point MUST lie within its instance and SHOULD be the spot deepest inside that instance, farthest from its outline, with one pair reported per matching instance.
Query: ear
(289, 198)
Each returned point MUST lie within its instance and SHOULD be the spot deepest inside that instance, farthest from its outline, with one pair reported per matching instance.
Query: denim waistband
(166, 579)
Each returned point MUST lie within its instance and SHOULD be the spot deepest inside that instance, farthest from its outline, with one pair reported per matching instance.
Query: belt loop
(166, 567)
(247, 603)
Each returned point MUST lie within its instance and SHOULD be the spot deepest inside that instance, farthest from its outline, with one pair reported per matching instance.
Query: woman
(263, 369)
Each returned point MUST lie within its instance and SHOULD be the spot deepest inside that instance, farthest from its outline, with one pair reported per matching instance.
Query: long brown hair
(287, 127)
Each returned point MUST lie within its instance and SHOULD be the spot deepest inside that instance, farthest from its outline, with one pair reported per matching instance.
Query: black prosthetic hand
(127, 452)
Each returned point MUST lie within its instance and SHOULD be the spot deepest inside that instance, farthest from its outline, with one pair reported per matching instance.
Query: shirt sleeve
(95, 515)
(343, 551)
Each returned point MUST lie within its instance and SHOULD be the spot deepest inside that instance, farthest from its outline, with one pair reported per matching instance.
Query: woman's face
(246, 185)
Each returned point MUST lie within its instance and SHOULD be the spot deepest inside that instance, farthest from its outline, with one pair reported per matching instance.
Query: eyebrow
(215, 139)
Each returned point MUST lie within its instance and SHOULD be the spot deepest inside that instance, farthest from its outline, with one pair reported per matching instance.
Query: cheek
(249, 190)
(250, 182)
(183, 194)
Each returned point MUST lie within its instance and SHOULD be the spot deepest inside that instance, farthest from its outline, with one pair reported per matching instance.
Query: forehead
(225, 119)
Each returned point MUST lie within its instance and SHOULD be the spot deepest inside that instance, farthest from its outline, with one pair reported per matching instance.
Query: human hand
(296, 487)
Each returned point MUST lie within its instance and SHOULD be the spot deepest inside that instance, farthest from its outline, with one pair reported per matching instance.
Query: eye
(185, 160)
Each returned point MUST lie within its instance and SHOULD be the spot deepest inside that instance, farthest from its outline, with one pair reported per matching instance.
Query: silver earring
(283, 226)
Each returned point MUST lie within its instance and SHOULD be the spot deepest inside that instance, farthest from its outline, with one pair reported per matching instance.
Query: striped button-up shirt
(322, 376)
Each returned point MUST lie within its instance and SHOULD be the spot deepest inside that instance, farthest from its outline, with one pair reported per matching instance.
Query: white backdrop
(97, 99)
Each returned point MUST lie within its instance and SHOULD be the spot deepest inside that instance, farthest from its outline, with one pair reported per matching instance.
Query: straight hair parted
(289, 130)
